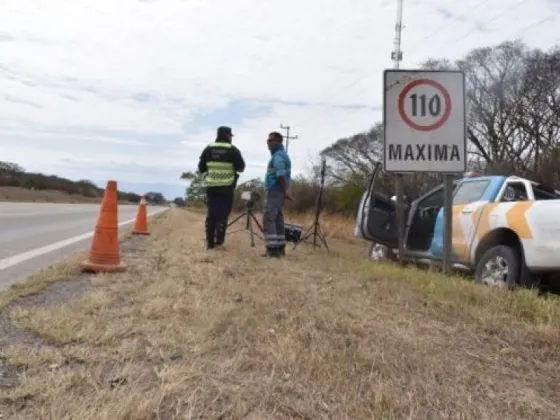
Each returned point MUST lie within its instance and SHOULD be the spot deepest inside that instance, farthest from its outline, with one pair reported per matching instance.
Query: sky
(133, 90)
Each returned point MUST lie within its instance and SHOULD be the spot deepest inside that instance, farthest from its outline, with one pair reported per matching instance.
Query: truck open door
(376, 217)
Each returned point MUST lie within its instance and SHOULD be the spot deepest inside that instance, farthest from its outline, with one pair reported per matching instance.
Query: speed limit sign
(424, 119)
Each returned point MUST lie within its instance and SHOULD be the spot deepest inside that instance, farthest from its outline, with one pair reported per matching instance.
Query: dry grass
(192, 334)
(40, 281)
(333, 225)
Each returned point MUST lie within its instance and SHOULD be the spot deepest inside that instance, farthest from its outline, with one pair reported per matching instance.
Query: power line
(369, 73)
(535, 24)
(450, 21)
(502, 13)
(287, 136)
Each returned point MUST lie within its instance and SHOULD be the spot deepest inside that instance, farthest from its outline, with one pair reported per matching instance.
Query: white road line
(28, 255)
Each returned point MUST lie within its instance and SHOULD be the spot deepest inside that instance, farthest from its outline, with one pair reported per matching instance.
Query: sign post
(425, 131)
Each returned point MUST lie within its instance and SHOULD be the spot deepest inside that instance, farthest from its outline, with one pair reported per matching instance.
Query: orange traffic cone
(104, 254)
(141, 225)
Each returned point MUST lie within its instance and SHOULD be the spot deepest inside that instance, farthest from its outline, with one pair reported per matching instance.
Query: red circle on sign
(446, 105)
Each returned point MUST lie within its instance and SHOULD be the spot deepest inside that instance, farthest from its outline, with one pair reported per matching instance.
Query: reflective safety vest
(220, 174)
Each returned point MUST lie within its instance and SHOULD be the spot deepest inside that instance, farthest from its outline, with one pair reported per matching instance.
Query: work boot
(220, 233)
(282, 250)
(210, 227)
(273, 252)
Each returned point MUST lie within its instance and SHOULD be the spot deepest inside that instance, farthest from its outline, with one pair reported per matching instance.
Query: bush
(13, 175)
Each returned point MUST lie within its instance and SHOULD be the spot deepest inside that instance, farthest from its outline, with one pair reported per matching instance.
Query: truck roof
(502, 178)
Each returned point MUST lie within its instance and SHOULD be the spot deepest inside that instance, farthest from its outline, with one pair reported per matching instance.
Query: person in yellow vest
(220, 162)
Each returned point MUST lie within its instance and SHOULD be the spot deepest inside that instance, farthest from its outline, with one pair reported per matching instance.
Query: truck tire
(499, 266)
(377, 252)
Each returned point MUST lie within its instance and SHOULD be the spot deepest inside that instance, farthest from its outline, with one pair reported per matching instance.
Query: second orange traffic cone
(104, 254)
(141, 225)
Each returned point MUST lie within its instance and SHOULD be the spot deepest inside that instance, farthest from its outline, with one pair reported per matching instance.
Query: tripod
(250, 218)
(315, 229)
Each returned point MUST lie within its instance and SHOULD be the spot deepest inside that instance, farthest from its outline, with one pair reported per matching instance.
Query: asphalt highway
(36, 235)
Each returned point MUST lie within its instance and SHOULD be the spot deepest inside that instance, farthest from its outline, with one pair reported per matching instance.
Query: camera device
(250, 197)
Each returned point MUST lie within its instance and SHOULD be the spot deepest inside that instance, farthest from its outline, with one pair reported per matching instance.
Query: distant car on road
(505, 229)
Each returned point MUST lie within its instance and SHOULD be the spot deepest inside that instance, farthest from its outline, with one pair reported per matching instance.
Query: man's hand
(289, 196)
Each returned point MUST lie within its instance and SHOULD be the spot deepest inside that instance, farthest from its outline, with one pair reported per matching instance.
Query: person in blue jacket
(276, 185)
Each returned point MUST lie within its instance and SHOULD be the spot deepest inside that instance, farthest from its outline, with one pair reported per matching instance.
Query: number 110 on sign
(424, 104)
(434, 105)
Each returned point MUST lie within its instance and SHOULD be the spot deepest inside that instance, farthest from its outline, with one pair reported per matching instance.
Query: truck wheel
(378, 252)
(499, 267)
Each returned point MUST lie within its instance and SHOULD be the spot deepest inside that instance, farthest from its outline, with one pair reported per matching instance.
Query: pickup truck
(505, 229)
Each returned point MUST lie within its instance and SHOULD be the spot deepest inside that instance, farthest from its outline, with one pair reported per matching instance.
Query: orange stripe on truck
(484, 225)
(516, 219)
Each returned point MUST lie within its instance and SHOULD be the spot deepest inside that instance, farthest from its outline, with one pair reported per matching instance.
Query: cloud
(134, 90)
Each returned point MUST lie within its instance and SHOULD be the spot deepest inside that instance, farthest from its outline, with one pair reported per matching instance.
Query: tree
(513, 97)
(155, 198)
(10, 167)
(195, 189)
(179, 201)
(354, 157)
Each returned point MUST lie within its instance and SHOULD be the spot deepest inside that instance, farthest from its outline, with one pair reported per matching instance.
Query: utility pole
(288, 138)
(396, 56)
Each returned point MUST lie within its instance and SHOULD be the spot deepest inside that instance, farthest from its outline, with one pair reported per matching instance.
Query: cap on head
(224, 131)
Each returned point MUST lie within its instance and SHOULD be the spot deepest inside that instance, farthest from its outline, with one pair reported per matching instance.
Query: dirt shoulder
(187, 333)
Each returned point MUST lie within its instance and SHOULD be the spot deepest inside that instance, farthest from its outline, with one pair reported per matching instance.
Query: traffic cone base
(141, 225)
(90, 267)
(104, 253)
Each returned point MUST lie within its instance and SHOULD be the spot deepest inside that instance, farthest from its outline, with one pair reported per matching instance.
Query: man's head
(274, 140)
(224, 134)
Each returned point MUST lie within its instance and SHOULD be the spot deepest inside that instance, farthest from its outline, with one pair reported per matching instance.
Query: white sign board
(424, 120)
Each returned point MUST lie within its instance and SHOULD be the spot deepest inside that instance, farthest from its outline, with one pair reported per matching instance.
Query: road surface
(36, 235)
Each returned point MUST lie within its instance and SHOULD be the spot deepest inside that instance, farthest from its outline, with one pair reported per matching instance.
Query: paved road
(35, 235)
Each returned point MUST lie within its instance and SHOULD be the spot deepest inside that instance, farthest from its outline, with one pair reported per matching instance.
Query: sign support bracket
(448, 223)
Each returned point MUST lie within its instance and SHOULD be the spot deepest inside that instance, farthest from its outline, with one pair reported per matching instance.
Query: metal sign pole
(448, 222)
(399, 193)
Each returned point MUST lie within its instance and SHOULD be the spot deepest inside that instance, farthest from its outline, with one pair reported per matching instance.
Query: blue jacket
(278, 165)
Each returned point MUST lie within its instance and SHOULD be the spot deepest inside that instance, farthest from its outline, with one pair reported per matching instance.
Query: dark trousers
(220, 203)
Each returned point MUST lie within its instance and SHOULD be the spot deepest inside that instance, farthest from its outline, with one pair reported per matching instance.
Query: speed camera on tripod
(251, 197)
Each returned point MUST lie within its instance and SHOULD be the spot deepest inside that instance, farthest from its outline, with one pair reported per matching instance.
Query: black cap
(224, 131)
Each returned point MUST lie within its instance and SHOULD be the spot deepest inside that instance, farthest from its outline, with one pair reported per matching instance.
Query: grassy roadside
(185, 333)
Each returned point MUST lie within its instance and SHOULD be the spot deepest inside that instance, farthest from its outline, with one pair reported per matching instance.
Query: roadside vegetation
(20, 186)
(187, 333)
